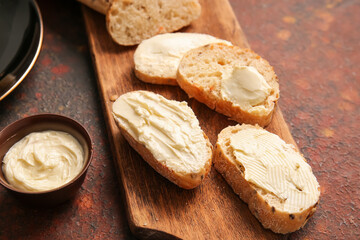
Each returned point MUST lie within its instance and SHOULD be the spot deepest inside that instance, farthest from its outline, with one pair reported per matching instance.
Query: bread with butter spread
(131, 21)
(233, 81)
(166, 133)
(272, 177)
(157, 59)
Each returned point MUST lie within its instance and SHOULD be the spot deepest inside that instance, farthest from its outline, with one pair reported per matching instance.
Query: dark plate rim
(21, 77)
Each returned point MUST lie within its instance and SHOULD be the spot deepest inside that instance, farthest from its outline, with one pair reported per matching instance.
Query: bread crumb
(289, 19)
(113, 97)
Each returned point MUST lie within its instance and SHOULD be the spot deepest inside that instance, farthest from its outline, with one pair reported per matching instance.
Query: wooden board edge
(139, 230)
(108, 125)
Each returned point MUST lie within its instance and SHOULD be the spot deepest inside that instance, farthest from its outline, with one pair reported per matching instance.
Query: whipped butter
(167, 128)
(276, 167)
(43, 160)
(162, 54)
(245, 87)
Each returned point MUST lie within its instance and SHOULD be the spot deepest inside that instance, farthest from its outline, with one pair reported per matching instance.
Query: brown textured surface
(313, 46)
(63, 82)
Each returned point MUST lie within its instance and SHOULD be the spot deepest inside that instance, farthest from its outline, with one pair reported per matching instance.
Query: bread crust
(154, 79)
(223, 106)
(154, 58)
(100, 6)
(187, 181)
(270, 217)
(209, 93)
(149, 21)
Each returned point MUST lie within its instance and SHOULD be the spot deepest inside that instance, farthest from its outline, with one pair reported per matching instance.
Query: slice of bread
(166, 133)
(98, 5)
(269, 175)
(206, 71)
(131, 21)
(157, 59)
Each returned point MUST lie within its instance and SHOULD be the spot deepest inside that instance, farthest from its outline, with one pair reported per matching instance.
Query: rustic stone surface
(313, 46)
(63, 82)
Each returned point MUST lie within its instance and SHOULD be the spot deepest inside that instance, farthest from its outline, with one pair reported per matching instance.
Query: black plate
(21, 37)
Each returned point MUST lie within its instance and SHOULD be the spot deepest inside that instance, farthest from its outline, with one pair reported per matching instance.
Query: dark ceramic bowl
(42, 122)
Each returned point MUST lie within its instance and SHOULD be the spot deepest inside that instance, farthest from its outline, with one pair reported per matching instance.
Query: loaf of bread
(166, 134)
(272, 177)
(157, 59)
(234, 81)
(131, 21)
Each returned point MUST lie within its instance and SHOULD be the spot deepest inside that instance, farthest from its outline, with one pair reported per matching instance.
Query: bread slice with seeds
(234, 81)
(272, 177)
(131, 21)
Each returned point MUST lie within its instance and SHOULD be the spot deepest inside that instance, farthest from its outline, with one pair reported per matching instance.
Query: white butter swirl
(43, 161)
(245, 86)
(167, 128)
(276, 167)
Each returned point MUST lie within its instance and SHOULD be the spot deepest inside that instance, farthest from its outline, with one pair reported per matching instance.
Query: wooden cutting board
(157, 208)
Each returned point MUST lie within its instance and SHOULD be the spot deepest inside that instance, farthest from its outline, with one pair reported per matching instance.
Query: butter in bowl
(44, 158)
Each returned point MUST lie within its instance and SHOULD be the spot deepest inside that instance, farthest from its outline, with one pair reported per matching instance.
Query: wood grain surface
(156, 207)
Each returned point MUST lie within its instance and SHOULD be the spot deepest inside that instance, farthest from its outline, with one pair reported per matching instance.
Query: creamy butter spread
(162, 53)
(167, 128)
(43, 160)
(245, 86)
(276, 167)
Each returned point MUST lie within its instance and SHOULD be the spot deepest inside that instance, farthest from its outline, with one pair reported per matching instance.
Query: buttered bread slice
(166, 134)
(269, 175)
(157, 59)
(234, 81)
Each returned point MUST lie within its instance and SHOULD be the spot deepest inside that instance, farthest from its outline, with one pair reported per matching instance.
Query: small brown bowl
(42, 122)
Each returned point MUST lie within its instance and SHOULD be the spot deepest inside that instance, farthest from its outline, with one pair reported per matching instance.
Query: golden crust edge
(226, 107)
(188, 181)
(196, 15)
(154, 79)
